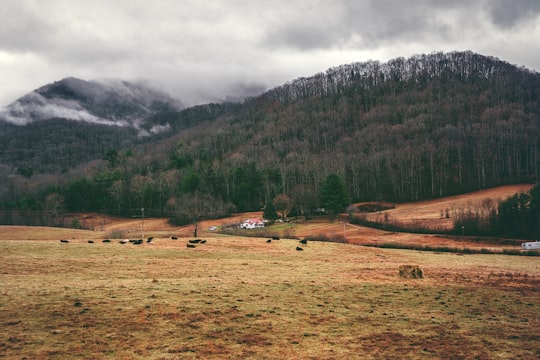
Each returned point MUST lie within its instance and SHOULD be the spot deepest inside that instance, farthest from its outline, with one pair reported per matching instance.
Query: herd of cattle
(190, 244)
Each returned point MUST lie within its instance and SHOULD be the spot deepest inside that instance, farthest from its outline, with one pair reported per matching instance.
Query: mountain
(101, 102)
(72, 121)
(408, 129)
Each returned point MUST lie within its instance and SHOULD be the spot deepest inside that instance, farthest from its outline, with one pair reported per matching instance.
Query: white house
(252, 224)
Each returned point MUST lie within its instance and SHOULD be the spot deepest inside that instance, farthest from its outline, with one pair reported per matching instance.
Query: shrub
(116, 234)
(374, 207)
(337, 238)
(75, 224)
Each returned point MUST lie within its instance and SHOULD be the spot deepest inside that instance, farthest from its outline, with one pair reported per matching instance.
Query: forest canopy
(409, 129)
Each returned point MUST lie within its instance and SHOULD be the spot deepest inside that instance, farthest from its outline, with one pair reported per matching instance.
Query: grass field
(243, 298)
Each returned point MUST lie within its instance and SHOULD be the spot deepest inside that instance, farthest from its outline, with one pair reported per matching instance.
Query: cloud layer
(225, 50)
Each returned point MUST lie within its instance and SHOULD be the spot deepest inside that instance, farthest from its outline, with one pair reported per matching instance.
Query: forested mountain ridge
(103, 102)
(72, 121)
(412, 128)
(423, 127)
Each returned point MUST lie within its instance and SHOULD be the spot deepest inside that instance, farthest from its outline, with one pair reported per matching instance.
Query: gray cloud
(218, 50)
(363, 24)
(21, 29)
(507, 14)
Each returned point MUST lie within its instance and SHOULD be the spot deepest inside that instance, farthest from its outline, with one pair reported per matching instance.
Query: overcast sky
(201, 51)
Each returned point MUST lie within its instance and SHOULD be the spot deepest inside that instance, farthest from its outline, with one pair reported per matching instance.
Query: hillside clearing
(437, 213)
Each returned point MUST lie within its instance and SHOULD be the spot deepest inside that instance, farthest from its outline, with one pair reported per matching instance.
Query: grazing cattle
(64, 241)
(149, 240)
(268, 241)
(174, 238)
(203, 242)
(124, 241)
(298, 248)
(138, 242)
(196, 241)
(106, 241)
(190, 246)
(90, 241)
(303, 241)
(275, 237)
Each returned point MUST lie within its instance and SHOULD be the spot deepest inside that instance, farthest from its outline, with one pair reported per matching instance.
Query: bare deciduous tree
(54, 207)
(283, 205)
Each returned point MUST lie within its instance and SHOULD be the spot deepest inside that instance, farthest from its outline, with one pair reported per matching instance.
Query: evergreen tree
(334, 197)
(270, 212)
(534, 211)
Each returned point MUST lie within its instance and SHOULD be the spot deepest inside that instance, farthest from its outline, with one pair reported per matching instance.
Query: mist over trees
(409, 129)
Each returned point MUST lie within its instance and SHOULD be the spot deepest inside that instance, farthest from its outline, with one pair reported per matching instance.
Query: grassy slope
(428, 213)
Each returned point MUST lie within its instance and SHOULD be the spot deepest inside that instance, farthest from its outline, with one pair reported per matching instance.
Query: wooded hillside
(417, 128)
(423, 127)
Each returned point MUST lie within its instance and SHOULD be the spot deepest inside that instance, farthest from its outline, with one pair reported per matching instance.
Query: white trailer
(531, 245)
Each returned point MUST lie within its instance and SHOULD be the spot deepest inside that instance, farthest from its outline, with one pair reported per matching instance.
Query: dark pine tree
(270, 212)
(334, 197)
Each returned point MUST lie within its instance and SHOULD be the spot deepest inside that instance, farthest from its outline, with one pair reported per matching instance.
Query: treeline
(186, 191)
(516, 217)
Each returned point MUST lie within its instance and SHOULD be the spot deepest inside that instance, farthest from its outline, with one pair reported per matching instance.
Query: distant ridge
(102, 102)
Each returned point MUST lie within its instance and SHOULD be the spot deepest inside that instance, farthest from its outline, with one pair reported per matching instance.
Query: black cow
(196, 241)
(90, 241)
(174, 238)
(190, 246)
(275, 237)
(303, 241)
(268, 241)
(106, 241)
(298, 248)
(149, 240)
(64, 241)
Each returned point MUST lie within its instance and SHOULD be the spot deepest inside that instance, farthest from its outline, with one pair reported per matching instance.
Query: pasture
(244, 298)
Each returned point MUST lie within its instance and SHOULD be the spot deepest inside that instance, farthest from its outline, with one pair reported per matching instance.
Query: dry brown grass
(244, 298)
(236, 297)
(432, 213)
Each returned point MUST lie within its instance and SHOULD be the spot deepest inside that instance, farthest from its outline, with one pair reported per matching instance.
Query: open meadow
(245, 298)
